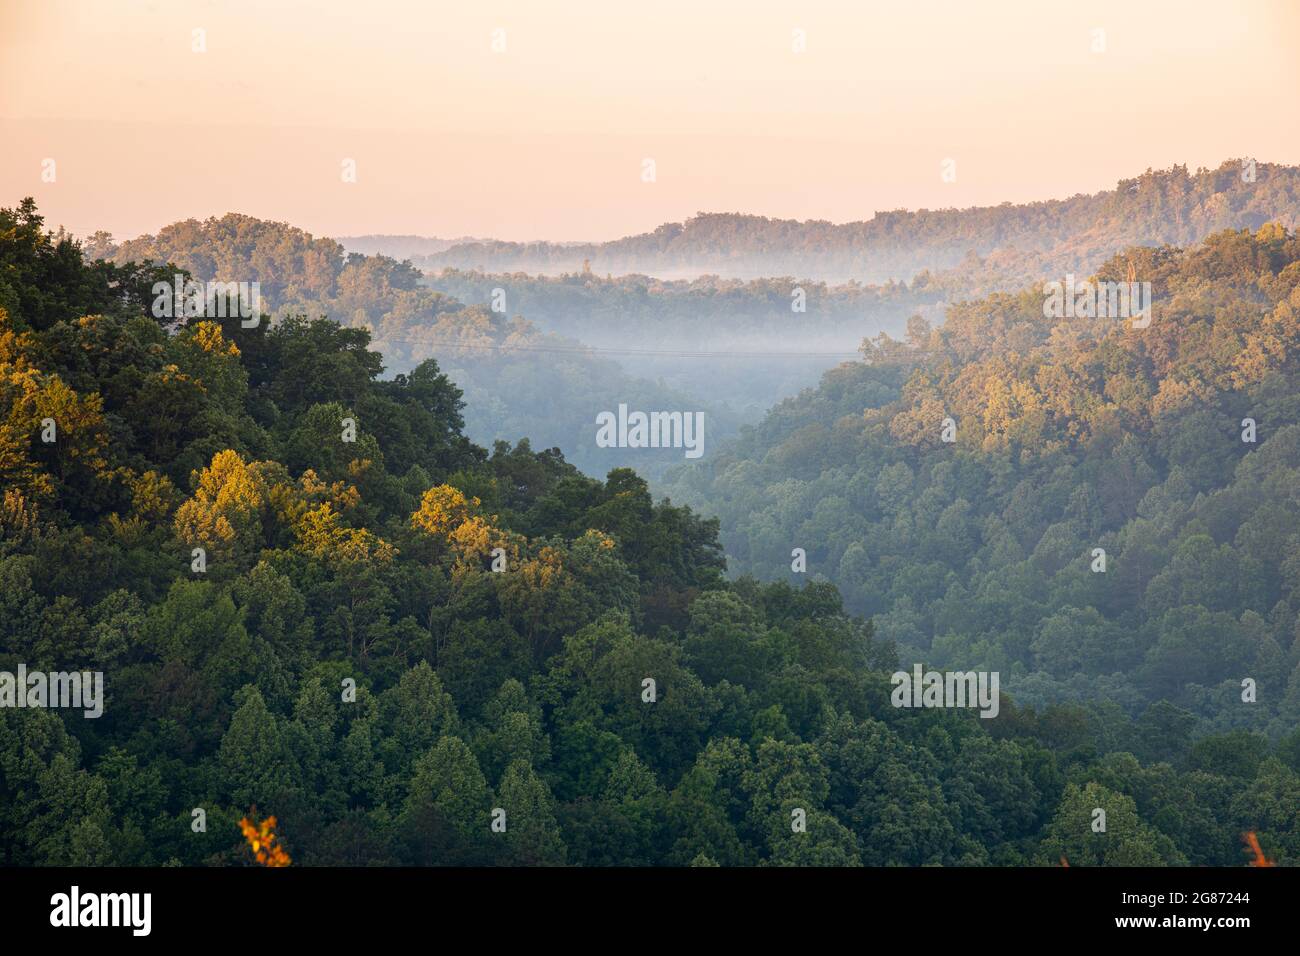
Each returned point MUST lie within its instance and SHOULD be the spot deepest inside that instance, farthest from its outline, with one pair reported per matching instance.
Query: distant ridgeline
(785, 314)
(1021, 241)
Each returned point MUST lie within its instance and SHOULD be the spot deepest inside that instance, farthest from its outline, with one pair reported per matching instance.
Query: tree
(1126, 841)
(448, 778)
(256, 766)
(532, 836)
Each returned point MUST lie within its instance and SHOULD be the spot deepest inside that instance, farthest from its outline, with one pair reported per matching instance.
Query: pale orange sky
(547, 139)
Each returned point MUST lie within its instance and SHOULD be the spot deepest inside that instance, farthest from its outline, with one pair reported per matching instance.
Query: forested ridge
(520, 380)
(1174, 449)
(1076, 234)
(708, 310)
(520, 346)
(734, 344)
(524, 689)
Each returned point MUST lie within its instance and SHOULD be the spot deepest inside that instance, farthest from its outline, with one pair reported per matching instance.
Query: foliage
(350, 662)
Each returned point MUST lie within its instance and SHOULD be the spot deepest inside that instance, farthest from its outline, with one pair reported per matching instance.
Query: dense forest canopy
(204, 533)
(1174, 448)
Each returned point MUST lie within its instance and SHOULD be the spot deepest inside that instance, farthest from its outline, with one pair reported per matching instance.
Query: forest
(539, 356)
(1160, 206)
(520, 379)
(1174, 449)
(314, 598)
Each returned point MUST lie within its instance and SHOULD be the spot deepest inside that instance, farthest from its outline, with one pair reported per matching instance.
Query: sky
(530, 120)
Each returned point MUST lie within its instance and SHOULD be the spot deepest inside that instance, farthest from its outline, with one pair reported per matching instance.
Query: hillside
(1070, 436)
(313, 626)
(520, 381)
(1170, 206)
